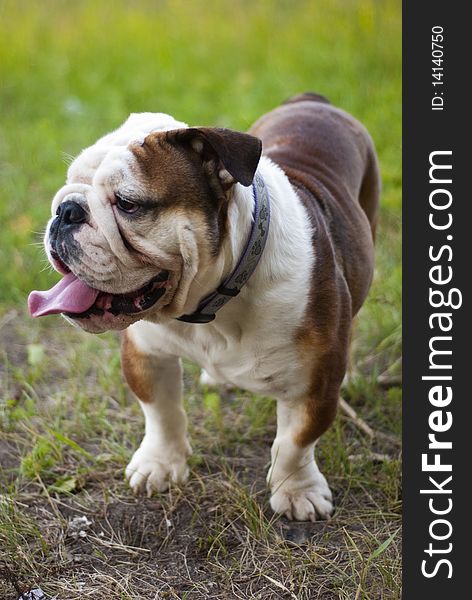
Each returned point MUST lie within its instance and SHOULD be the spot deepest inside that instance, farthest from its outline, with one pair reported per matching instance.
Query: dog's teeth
(132, 302)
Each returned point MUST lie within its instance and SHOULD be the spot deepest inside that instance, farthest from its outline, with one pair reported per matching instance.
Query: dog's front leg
(156, 380)
(299, 489)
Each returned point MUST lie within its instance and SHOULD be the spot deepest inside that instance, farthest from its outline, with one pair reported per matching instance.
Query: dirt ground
(70, 524)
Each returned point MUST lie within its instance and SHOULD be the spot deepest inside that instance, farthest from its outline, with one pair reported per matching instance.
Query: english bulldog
(251, 265)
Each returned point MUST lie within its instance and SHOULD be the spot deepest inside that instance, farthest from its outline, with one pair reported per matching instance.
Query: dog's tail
(307, 96)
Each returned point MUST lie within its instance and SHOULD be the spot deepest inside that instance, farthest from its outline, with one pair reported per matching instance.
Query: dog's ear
(238, 153)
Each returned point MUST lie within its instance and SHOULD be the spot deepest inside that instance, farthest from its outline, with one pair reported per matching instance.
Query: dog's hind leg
(299, 489)
(156, 381)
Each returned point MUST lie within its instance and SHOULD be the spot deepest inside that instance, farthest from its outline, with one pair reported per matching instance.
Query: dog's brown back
(329, 157)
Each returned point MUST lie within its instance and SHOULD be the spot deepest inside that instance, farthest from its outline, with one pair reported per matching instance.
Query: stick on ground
(351, 413)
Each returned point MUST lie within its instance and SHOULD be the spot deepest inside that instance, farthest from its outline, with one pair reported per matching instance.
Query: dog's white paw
(152, 470)
(303, 503)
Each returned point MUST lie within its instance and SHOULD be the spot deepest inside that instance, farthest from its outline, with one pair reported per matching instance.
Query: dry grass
(68, 431)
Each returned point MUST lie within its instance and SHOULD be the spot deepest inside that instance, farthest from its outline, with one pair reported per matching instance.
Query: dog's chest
(260, 363)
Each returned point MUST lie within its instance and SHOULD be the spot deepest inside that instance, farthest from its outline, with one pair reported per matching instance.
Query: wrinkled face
(142, 213)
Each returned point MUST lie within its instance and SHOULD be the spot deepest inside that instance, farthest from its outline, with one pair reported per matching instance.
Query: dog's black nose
(71, 213)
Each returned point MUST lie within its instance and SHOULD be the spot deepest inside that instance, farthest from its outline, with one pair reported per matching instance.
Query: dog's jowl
(251, 265)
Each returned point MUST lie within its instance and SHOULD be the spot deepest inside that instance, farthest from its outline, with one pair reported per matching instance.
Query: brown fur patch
(176, 179)
(137, 369)
(325, 361)
(180, 170)
(330, 160)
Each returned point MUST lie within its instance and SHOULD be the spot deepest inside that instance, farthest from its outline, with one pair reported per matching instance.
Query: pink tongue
(69, 295)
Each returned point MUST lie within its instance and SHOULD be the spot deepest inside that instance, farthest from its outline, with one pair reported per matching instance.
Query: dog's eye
(126, 205)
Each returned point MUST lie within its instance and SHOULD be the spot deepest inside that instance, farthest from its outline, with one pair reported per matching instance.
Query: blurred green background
(71, 71)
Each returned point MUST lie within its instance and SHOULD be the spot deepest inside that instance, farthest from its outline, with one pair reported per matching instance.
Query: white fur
(134, 129)
(251, 342)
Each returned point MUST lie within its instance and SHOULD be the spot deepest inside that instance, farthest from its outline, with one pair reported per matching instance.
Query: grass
(70, 72)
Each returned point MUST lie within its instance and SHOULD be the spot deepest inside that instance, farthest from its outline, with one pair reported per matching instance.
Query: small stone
(33, 594)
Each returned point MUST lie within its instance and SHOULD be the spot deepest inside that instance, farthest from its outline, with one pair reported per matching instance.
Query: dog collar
(247, 263)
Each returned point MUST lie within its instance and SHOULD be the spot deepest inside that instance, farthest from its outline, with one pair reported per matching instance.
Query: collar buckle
(197, 317)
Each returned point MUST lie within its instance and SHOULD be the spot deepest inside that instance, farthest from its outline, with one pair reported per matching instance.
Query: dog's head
(142, 214)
